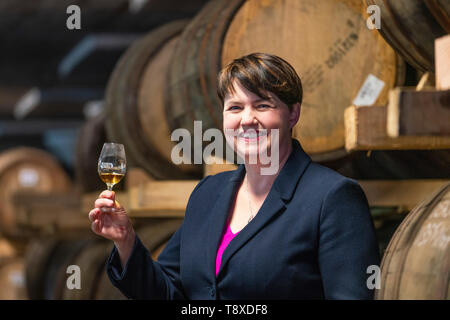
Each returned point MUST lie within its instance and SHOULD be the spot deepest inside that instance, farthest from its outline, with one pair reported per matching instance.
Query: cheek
(230, 122)
(272, 121)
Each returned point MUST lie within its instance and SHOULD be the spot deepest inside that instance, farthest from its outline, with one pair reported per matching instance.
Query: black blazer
(313, 238)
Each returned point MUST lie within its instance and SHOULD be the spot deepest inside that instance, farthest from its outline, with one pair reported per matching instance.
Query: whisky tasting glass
(112, 164)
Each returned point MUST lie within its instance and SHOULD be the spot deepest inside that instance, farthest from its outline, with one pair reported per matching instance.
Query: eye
(231, 108)
(263, 106)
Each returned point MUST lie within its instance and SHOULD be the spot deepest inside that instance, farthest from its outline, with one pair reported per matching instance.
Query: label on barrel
(28, 177)
(369, 91)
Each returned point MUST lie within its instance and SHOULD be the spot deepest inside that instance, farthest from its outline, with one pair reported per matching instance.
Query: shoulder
(340, 196)
(212, 184)
(326, 180)
(214, 180)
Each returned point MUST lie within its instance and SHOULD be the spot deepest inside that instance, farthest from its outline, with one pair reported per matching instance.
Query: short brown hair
(261, 72)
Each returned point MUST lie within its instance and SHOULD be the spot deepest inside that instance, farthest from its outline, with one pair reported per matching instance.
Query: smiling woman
(244, 229)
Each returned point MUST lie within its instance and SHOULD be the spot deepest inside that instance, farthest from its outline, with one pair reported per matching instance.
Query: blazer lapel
(282, 191)
(218, 217)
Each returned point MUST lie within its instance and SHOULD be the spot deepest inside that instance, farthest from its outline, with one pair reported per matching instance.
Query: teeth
(252, 135)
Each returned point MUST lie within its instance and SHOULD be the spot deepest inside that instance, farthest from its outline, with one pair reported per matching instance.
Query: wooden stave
(124, 123)
(61, 258)
(414, 44)
(37, 257)
(154, 235)
(91, 261)
(398, 254)
(55, 176)
(205, 27)
(441, 12)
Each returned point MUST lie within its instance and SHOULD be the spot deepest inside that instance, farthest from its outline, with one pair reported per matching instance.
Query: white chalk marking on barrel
(442, 210)
(28, 177)
(434, 234)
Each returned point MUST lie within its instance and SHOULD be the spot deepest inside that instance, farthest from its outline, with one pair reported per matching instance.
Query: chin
(251, 152)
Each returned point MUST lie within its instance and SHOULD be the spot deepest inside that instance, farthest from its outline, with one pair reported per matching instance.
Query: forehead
(239, 93)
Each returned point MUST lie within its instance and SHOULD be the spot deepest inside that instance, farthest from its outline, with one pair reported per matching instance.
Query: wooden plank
(405, 194)
(168, 199)
(136, 177)
(442, 61)
(365, 129)
(418, 113)
(161, 198)
(55, 211)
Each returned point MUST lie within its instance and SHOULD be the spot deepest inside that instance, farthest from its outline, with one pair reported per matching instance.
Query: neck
(260, 184)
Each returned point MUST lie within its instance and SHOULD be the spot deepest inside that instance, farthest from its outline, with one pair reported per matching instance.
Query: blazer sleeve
(347, 244)
(144, 278)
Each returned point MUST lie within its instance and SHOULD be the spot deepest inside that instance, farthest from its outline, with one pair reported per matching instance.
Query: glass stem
(110, 186)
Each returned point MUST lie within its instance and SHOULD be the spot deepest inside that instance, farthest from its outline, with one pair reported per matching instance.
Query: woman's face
(252, 120)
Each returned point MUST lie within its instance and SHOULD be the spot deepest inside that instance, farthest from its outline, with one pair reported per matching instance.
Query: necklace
(249, 205)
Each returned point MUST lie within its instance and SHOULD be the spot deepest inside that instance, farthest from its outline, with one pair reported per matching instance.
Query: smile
(252, 135)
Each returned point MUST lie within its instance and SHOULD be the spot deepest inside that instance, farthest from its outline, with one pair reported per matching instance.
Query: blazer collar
(281, 192)
(289, 175)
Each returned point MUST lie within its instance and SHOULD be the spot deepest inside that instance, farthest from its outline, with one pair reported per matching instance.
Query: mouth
(252, 135)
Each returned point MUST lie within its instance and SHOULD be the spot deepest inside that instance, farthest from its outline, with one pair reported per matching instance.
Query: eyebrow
(254, 101)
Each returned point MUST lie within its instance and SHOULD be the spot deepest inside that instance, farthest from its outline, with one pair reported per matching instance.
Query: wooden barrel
(410, 28)
(90, 141)
(12, 279)
(440, 9)
(135, 105)
(327, 42)
(416, 264)
(37, 257)
(91, 261)
(23, 169)
(154, 235)
(62, 257)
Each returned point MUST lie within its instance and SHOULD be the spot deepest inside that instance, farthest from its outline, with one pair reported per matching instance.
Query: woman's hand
(110, 220)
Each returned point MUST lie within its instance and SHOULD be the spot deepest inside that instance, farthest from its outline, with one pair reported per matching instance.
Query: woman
(301, 232)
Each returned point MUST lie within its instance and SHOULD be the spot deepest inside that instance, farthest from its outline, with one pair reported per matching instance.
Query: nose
(248, 118)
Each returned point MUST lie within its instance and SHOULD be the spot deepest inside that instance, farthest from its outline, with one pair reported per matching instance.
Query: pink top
(226, 238)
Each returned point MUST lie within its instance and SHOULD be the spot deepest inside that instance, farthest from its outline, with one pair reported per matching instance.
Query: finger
(95, 226)
(107, 209)
(93, 214)
(102, 202)
(107, 194)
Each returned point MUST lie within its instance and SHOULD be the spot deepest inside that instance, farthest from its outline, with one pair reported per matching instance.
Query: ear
(294, 114)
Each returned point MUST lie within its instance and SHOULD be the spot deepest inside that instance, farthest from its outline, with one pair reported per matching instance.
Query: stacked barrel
(48, 262)
(22, 169)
